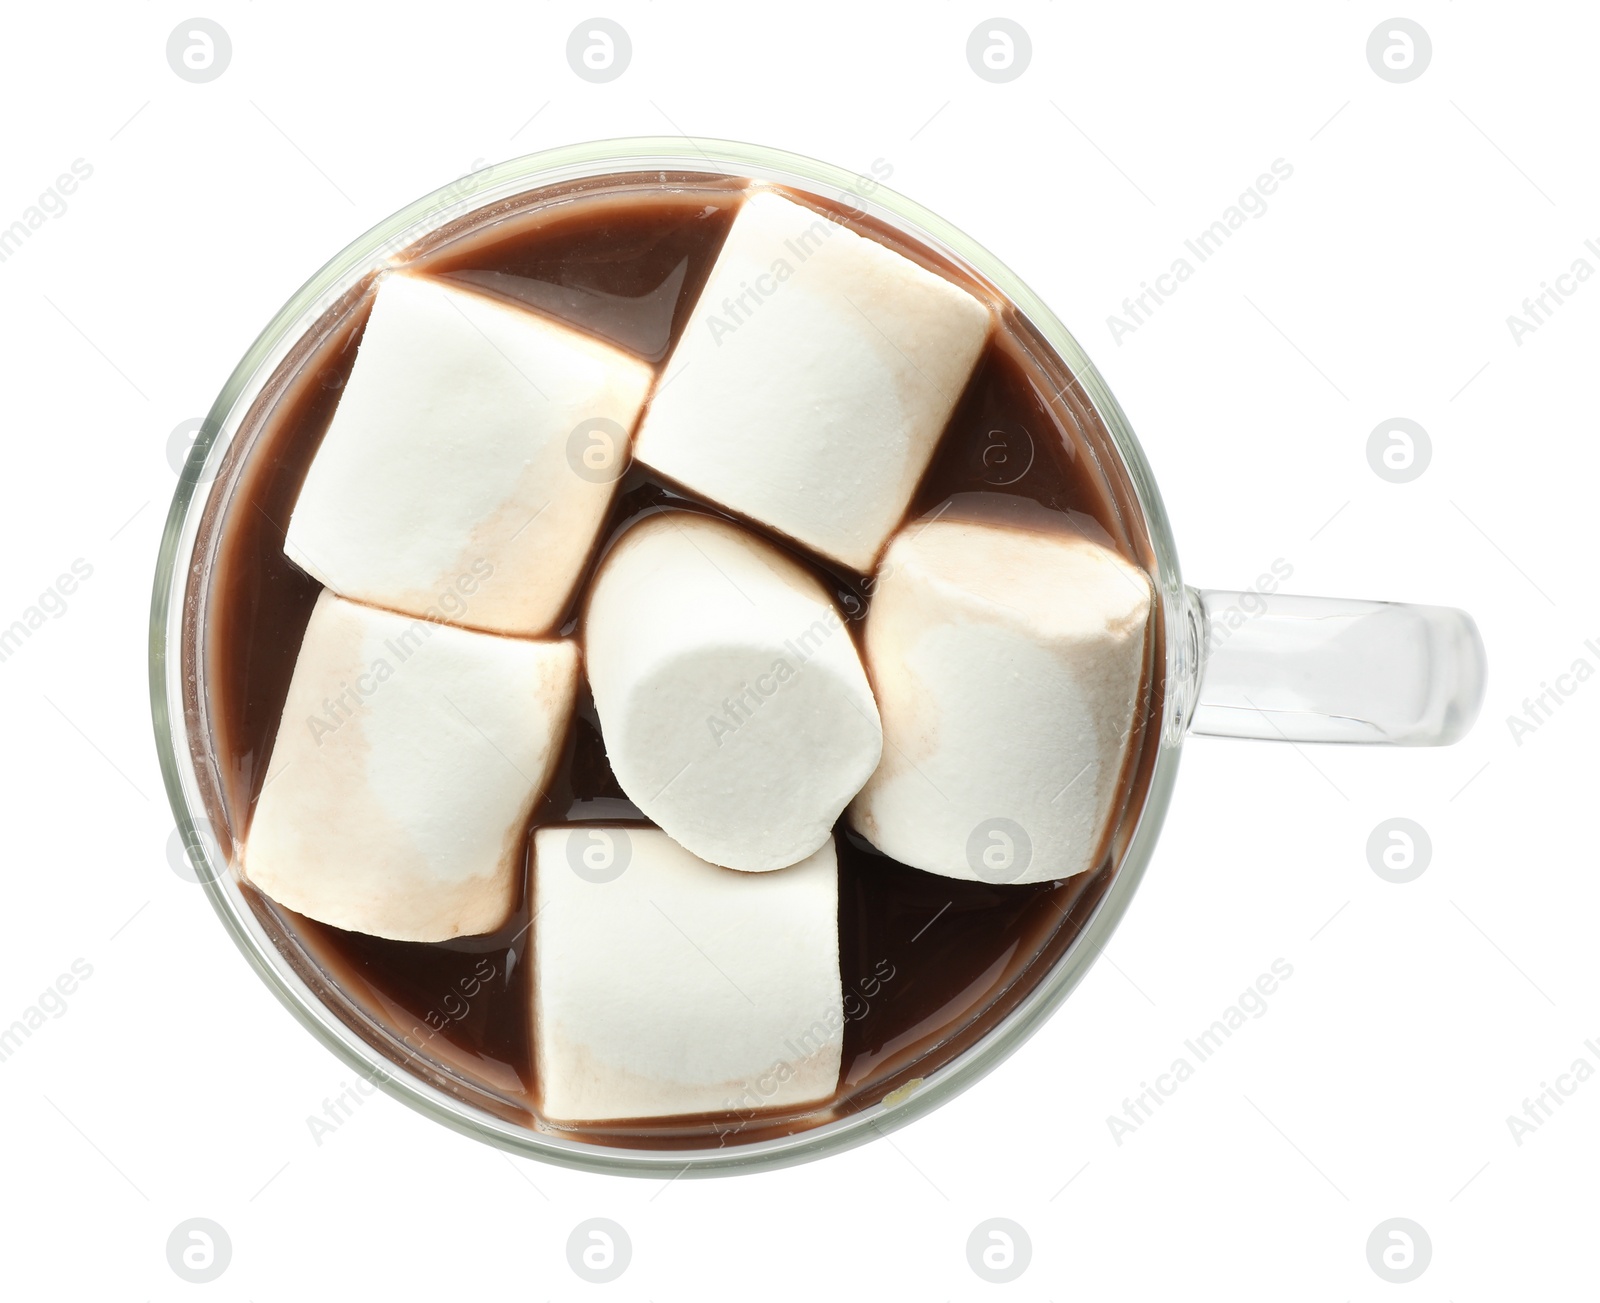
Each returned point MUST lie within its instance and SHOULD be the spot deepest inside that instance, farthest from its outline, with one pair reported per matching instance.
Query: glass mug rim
(222, 423)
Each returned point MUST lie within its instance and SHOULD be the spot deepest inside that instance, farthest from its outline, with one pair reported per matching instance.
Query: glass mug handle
(1328, 669)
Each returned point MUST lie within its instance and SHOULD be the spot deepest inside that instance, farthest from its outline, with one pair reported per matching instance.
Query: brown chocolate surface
(928, 963)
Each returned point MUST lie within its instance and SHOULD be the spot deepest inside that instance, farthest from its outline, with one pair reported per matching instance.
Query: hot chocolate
(932, 952)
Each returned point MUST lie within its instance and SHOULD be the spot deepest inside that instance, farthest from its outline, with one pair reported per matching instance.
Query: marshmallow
(405, 768)
(1008, 665)
(470, 463)
(813, 380)
(735, 711)
(665, 986)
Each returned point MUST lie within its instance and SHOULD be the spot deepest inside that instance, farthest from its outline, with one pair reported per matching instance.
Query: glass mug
(1238, 664)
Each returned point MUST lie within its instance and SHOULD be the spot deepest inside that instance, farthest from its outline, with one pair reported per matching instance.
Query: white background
(1418, 1017)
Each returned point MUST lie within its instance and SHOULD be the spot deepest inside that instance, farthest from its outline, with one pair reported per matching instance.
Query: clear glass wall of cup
(1239, 664)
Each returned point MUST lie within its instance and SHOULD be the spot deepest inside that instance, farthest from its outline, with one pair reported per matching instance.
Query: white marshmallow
(406, 765)
(452, 481)
(1008, 665)
(734, 707)
(812, 403)
(665, 986)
